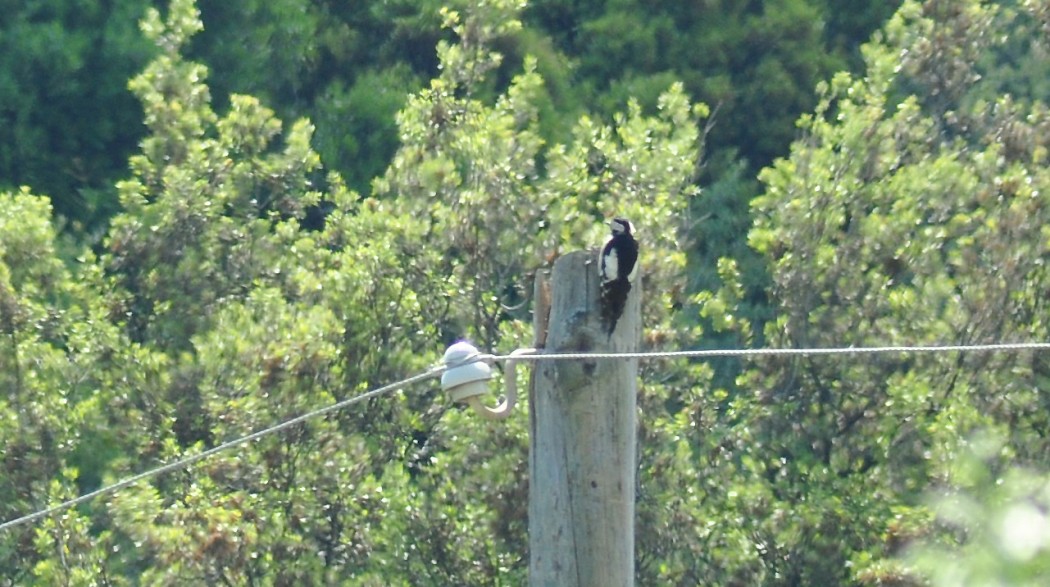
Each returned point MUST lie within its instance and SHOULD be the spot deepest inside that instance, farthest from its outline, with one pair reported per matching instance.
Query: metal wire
(537, 356)
(766, 352)
(187, 461)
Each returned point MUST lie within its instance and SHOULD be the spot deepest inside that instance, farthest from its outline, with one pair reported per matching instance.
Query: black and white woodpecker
(618, 266)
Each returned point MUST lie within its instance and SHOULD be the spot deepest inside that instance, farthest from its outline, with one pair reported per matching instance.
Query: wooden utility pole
(583, 438)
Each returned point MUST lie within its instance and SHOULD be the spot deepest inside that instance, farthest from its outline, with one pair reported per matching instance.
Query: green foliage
(757, 64)
(349, 68)
(74, 389)
(991, 526)
(209, 198)
(244, 283)
(242, 286)
(68, 122)
(899, 218)
(71, 123)
(356, 126)
(757, 60)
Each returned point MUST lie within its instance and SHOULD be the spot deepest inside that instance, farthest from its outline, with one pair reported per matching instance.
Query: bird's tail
(613, 303)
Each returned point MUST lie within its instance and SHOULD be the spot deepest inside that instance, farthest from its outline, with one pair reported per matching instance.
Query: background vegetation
(292, 202)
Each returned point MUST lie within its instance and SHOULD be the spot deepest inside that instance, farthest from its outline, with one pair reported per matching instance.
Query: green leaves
(69, 121)
(991, 527)
(894, 222)
(241, 286)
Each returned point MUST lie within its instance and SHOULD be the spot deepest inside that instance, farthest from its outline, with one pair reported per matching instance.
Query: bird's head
(620, 226)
